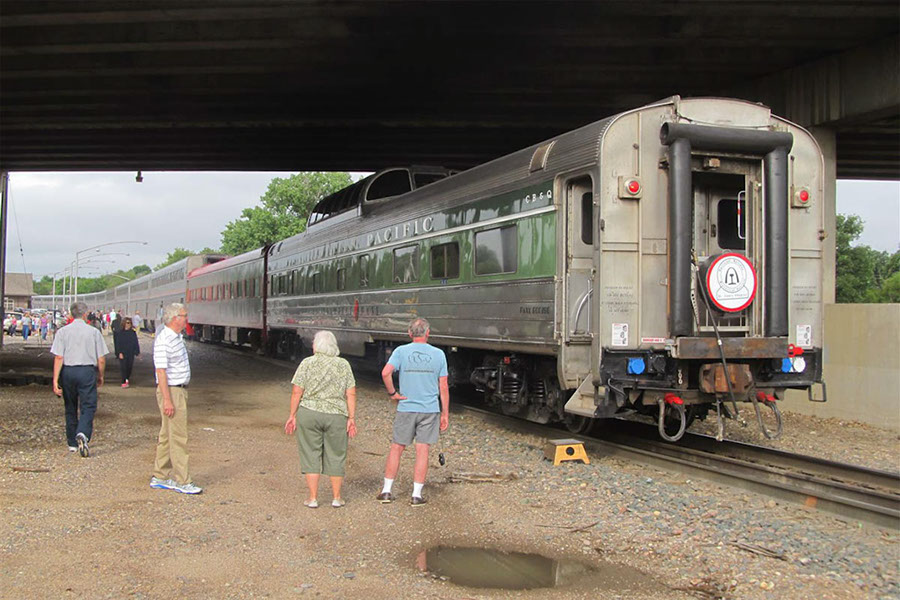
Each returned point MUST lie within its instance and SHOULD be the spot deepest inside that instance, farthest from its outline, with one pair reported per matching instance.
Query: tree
(863, 274)
(179, 253)
(285, 208)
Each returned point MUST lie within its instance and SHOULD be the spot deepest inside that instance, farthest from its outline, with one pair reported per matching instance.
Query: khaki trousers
(171, 448)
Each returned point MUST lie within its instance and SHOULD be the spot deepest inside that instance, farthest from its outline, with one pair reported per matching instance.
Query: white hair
(325, 343)
(418, 327)
(171, 311)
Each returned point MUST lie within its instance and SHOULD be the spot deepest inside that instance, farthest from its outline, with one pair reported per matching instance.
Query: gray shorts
(424, 427)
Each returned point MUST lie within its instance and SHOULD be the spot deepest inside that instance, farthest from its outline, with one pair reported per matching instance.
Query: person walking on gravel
(127, 348)
(78, 365)
(324, 391)
(423, 405)
(173, 374)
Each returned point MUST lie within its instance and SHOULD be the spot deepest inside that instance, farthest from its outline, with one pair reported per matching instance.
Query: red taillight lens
(633, 186)
(804, 196)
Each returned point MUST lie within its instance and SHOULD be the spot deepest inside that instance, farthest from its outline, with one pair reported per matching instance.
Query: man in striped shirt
(173, 374)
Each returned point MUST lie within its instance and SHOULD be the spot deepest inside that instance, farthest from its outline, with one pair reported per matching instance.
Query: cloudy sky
(52, 215)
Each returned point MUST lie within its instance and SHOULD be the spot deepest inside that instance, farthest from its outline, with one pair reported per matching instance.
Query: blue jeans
(26, 330)
(79, 388)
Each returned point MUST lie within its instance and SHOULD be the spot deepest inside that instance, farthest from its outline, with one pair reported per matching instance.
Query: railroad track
(848, 491)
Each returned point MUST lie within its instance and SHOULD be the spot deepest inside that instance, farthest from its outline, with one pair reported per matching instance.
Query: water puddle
(486, 568)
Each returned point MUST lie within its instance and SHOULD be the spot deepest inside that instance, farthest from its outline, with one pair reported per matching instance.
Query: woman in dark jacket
(127, 347)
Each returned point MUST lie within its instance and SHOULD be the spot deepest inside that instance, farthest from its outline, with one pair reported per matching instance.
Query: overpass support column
(4, 192)
(826, 138)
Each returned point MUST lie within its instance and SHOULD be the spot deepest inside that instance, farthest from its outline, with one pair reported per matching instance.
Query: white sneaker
(82, 445)
(73, 448)
(162, 484)
(187, 488)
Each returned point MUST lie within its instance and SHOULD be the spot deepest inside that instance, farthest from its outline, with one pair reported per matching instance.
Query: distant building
(19, 289)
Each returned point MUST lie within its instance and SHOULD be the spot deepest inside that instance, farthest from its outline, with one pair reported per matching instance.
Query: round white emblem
(731, 282)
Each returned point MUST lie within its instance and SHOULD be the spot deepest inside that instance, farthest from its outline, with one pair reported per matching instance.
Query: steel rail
(851, 492)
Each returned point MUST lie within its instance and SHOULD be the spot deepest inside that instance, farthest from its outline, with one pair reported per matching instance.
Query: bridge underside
(283, 85)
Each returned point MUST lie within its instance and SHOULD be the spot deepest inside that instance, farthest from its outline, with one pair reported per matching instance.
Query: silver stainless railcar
(664, 260)
(146, 294)
(226, 299)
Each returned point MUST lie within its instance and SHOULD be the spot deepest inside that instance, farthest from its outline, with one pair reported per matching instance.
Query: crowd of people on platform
(322, 404)
(31, 324)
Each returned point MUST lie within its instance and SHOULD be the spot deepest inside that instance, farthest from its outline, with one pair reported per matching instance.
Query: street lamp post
(80, 252)
(128, 305)
(73, 289)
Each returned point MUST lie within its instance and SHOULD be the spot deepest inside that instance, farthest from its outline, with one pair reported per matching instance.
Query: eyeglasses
(182, 316)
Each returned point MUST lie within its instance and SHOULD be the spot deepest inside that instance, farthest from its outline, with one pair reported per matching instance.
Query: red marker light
(804, 196)
(633, 186)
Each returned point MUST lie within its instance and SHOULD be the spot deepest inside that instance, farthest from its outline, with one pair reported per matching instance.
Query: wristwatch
(391, 393)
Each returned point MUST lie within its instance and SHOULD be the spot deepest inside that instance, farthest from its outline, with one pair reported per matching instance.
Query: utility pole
(4, 192)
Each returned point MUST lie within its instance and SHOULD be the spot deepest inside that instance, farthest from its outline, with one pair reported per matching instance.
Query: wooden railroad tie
(566, 449)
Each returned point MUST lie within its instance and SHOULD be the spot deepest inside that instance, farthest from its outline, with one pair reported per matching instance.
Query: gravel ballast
(93, 528)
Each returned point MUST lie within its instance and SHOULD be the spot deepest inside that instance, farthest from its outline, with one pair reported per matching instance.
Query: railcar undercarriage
(672, 392)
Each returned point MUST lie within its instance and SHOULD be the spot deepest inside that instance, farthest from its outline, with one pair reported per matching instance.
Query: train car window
(316, 282)
(390, 183)
(203, 294)
(423, 179)
(496, 251)
(271, 284)
(587, 218)
(364, 271)
(732, 225)
(341, 279)
(445, 261)
(242, 288)
(406, 264)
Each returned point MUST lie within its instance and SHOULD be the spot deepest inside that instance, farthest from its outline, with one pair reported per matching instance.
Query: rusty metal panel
(706, 347)
(712, 378)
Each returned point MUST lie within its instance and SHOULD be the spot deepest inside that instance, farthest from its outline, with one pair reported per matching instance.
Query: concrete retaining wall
(862, 366)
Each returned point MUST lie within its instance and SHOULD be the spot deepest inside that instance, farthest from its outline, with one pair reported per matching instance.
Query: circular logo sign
(731, 282)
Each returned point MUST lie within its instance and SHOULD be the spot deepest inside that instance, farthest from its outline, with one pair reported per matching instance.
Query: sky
(53, 215)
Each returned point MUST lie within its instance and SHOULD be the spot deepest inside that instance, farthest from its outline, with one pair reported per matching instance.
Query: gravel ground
(94, 529)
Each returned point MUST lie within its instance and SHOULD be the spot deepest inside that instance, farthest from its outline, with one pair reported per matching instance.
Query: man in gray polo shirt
(79, 361)
(173, 374)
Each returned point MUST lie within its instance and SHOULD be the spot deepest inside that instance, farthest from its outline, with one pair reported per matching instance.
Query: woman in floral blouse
(325, 393)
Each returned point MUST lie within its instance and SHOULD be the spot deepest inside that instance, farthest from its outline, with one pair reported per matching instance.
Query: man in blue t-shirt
(423, 405)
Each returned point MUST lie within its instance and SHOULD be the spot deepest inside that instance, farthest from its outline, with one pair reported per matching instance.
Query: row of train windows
(246, 288)
(496, 252)
(168, 278)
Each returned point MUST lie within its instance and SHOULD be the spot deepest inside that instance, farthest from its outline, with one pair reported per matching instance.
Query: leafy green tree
(179, 253)
(285, 208)
(863, 274)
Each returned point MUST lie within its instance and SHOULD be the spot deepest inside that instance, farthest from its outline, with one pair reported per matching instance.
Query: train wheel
(578, 424)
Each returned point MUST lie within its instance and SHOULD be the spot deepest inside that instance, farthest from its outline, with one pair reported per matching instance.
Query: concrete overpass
(291, 85)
